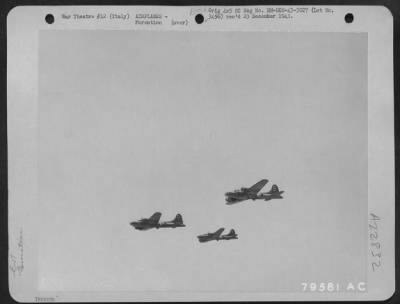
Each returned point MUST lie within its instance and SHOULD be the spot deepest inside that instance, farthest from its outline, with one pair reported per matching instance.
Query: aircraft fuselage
(170, 225)
(206, 239)
(236, 197)
(269, 196)
(142, 225)
(229, 237)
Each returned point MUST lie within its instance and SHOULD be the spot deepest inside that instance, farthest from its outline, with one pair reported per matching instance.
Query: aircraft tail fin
(178, 219)
(232, 232)
(274, 189)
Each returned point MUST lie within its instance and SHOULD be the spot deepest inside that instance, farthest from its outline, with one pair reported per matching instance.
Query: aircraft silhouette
(217, 235)
(243, 194)
(154, 222)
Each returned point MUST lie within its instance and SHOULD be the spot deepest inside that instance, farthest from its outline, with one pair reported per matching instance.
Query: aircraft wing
(218, 233)
(155, 218)
(258, 186)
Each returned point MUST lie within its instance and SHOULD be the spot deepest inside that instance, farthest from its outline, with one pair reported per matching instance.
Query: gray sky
(133, 122)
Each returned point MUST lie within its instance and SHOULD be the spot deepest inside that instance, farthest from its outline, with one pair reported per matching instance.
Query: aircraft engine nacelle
(244, 189)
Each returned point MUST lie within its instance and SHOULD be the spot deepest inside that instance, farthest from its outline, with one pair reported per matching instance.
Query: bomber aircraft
(154, 222)
(243, 194)
(217, 235)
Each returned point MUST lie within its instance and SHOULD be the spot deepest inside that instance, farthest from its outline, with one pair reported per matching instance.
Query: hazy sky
(133, 122)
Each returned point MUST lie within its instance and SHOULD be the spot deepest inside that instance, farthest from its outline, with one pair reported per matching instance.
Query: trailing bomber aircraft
(217, 235)
(154, 222)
